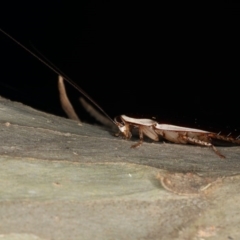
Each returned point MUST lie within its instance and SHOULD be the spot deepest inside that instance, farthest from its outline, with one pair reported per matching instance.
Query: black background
(179, 63)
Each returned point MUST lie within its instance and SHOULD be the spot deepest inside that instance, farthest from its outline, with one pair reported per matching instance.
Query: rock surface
(61, 180)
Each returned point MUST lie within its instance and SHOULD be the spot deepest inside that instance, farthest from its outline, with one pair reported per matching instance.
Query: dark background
(179, 63)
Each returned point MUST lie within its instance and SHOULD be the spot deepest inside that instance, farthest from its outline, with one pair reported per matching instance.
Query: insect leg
(201, 143)
(140, 137)
(224, 138)
(147, 131)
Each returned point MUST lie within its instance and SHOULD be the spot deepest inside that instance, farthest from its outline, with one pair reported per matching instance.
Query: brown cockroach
(148, 127)
(171, 133)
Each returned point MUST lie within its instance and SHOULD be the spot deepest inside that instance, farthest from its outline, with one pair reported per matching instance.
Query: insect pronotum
(147, 127)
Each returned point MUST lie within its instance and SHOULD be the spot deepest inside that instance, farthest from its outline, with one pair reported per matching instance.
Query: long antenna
(57, 71)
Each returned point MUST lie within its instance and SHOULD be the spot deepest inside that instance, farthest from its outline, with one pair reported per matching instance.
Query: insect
(171, 133)
(148, 127)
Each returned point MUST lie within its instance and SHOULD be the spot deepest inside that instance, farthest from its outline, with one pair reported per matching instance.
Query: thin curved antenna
(51, 66)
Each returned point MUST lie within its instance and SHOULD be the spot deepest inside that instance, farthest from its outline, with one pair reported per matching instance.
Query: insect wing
(138, 121)
(175, 134)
